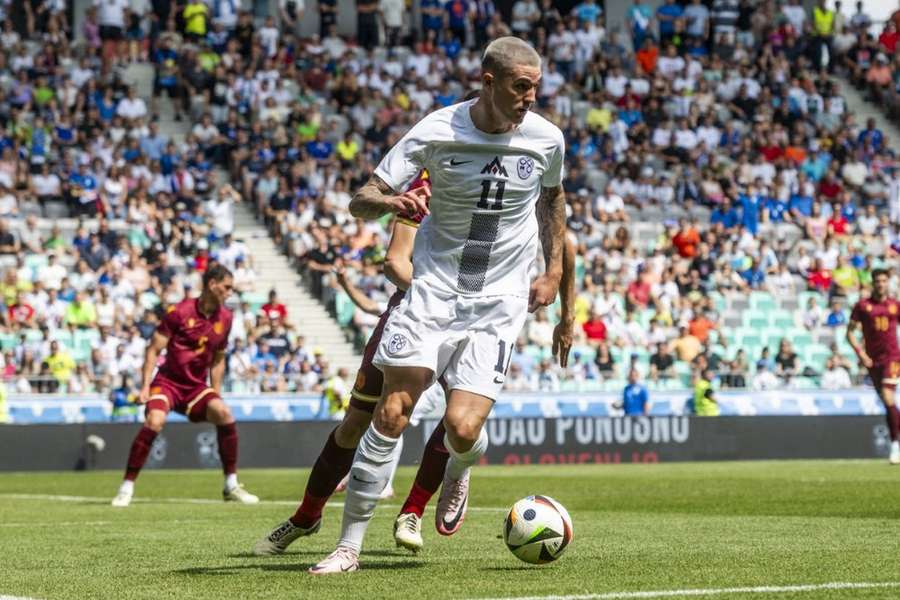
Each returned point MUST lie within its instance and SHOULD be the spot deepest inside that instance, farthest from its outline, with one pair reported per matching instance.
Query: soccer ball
(537, 530)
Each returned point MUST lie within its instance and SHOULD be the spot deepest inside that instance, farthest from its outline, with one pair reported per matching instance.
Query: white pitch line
(2, 597)
(766, 589)
(67, 498)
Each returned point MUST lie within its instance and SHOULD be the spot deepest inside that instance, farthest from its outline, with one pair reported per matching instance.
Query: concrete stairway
(272, 268)
(305, 312)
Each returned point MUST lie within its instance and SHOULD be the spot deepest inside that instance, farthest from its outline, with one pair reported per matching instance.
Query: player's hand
(411, 203)
(866, 361)
(144, 396)
(543, 292)
(562, 342)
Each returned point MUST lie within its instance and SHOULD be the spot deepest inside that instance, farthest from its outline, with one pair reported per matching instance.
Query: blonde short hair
(505, 53)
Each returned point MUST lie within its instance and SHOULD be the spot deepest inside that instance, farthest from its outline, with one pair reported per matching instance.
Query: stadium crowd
(713, 175)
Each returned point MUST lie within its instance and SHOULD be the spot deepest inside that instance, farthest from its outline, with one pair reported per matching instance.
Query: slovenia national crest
(525, 166)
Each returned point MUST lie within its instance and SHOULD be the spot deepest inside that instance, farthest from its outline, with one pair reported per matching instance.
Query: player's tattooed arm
(551, 214)
(563, 333)
(376, 199)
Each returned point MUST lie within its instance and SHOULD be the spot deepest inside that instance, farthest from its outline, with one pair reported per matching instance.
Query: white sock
(460, 461)
(369, 475)
(231, 481)
(395, 460)
(127, 486)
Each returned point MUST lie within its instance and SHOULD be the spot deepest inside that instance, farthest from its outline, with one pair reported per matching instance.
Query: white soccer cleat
(342, 560)
(122, 499)
(239, 494)
(894, 458)
(452, 505)
(408, 532)
(283, 536)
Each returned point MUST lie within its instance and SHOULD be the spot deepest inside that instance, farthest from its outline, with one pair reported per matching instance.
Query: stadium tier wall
(513, 441)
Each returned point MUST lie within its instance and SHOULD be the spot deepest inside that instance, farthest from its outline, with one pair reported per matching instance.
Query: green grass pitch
(637, 528)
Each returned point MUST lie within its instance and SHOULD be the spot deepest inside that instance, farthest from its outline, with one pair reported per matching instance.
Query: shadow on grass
(534, 568)
(294, 567)
(288, 554)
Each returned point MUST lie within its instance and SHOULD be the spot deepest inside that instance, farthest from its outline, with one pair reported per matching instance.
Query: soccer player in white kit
(496, 197)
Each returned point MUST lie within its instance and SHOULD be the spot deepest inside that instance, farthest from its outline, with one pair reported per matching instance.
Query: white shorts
(468, 340)
(432, 404)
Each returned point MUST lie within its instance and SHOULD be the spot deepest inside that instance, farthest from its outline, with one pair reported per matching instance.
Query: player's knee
(464, 431)
(219, 414)
(392, 417)
(155, 420)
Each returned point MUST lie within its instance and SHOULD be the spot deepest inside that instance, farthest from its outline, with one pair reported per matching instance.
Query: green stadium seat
(33, 335)
(8, 341)
(344, 308)
(254, 299)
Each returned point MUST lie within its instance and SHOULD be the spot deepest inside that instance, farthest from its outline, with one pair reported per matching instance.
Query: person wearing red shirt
(595, 329)
(819, 278)
(838, 224)
(877, 317)
(273, 309)
(21, 312)
(638, 292)
(686, 240)
(830, 187)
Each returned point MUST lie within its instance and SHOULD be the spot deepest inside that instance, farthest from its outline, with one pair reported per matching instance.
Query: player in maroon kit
(334, 461)
(878, 316)
(194, 334)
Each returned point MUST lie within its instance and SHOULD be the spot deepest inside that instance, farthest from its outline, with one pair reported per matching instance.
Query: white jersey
(481, 237)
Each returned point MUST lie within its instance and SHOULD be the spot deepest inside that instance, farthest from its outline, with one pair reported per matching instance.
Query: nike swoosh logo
(355, 478)
(498, 379)
(454, 163)
(450, 525)
(347, 569)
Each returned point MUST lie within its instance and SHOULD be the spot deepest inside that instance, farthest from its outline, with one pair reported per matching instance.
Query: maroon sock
(228, 447)
(332, 465)
(430, 473)
(893, 421)
(140, 449)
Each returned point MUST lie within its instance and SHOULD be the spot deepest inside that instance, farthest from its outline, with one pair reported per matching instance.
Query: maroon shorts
(367, 389)
(885, 375)
(188, 400)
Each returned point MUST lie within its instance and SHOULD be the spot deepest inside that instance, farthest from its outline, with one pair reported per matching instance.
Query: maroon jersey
(194, 340)
(879, 325)
(421, 181)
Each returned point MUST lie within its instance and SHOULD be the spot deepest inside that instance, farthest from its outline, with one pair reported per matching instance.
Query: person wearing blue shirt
(801, 206)
(836, 317)
(639, 16)
(630, 117)
(871, 135)
(635, 400)
(776, 209)
(432, 16)
(667, 14)
(451, 45)
(725, 214)
(587, 12)
(457, 17)
(319, 148)
(754, 276)
(750, 203)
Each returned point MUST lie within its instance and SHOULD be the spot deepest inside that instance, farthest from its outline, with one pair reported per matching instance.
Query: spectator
(835, 376)
(635, 399)
(705, 404)
(764, 380)
(662, 363)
